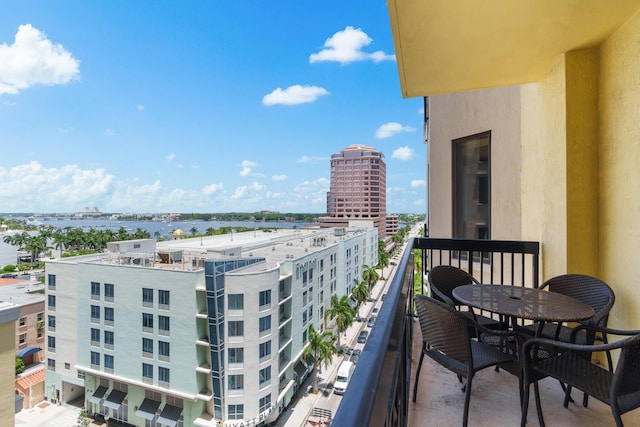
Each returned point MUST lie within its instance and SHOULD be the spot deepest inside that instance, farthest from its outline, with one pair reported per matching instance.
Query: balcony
(390, 358)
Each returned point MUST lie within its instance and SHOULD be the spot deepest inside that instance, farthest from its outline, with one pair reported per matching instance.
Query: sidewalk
(297, 414)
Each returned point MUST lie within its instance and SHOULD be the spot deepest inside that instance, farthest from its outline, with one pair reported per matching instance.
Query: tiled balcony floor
(494, 400)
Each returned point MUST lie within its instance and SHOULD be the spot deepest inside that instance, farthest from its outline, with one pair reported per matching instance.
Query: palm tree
(193, 231)
(360, 293)
(322, 349)
(342, 312)
(369, 275)
(383, 261)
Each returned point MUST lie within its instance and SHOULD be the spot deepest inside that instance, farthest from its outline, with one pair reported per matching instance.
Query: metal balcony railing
(378, 393)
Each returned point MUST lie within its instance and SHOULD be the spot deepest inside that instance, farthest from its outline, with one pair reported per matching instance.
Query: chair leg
(467, 398)
(536, 390)
(567, 396)
(415, 384)
(524, 401)
(585, 400)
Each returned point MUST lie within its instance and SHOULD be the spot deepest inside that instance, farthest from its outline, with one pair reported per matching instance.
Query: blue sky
(198, 106)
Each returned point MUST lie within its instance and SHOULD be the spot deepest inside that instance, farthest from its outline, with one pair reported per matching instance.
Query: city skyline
(202, 107)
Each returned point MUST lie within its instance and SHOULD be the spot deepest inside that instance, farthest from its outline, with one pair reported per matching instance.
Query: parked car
(362, 337)
(375, 310)
(371, 321)
(383, 295)
(355, 355)
(393, 263)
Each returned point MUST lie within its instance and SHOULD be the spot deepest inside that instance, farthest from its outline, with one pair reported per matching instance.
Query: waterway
(163, 228)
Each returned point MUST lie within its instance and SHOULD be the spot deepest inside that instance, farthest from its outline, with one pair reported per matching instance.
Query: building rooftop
(21, 292)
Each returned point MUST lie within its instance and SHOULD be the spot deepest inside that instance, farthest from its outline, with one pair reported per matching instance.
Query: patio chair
(620, 388)
(447, 340)
(443, 279)
(589, 290)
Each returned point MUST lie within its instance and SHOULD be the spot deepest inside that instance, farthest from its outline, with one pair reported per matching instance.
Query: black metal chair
(620, 388)
(591, 291)
(443, 279)
(447, 340)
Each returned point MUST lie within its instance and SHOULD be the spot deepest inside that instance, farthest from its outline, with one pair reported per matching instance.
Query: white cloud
(244, 190)
(415, 183)
(294, 95)
(33, 59)
(304, 159)
(346, 46)
(109, 132)
(389, 129)
(282, 177)
(140, 107)
(171, 156)
(247, 167)
(66, 130)
(403, 153)
(9, 104)
(212, 188)
(180, 166)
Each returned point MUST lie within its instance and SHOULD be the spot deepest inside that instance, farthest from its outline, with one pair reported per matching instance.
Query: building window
(265, 349)
(95, 360)
(95, 314)
(147, 373)
(265, 375)
(163, 376)
(51, 302)
(163, 351)
(51, 323)
(163, 300)
(108, 362)
(109, 292)
(236, 382)
(265, 323)
(147, 347)
(163, 325)
(51, 364)
(67, 366)
(22, 338)
(235, 301)
(108, 340)
(95, 337)
(471, 187)
(264, 403)
(236, 355)
(52, 282)
(147, 297)
(95, 290)
(147, 322)
(265, 298)
(51, 343)
(236, 328)
(22, 321)
(235, 412)
(108, 316)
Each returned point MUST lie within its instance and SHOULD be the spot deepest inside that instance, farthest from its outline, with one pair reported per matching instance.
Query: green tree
(19, 365)
(342, 312)
(193, 231)
(322, 349)
(360, 293)
(369, 275)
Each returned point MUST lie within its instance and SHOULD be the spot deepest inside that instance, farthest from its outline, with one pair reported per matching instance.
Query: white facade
(197, 331)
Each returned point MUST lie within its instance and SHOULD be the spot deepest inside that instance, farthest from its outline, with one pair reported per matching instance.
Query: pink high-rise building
(358, 190)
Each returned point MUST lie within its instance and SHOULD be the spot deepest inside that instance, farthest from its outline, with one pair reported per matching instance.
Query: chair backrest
(444, 328)
(626, 379)
(587, 289)
(443, 279)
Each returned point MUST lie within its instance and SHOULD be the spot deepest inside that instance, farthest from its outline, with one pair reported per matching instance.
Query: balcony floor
(494, 400)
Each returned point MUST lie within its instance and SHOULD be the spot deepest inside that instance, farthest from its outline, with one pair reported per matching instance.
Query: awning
(170, 415)
(147, 409)
(98, 395)
(115, 398)
(301, 370)
(28, 351)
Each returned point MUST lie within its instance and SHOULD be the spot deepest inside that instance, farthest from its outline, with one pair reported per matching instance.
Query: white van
(344, 375)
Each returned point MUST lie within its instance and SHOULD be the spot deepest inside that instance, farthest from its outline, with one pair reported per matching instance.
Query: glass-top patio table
(524, 303)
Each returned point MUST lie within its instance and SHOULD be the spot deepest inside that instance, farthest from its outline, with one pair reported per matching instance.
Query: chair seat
(549, 330)
(483, 355)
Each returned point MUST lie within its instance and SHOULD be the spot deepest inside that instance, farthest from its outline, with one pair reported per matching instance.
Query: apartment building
(358, 188)
(8, 315)
(195, 332)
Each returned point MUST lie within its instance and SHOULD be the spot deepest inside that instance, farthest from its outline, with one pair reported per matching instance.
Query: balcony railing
(378, 393)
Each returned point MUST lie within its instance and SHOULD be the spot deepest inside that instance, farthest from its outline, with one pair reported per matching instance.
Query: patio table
(524, 303)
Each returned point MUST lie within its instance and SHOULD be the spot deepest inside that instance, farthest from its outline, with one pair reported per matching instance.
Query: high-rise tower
(358, 189)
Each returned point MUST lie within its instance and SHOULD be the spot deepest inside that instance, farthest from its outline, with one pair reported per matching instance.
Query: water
(164, 228)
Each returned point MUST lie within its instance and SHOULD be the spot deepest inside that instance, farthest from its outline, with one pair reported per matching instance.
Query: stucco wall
(458, 115)
(619, 152)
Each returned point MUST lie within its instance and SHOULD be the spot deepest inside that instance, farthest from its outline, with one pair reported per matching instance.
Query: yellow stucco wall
(459, 115)
(543, 168)
(619, 157)
(7, 373)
